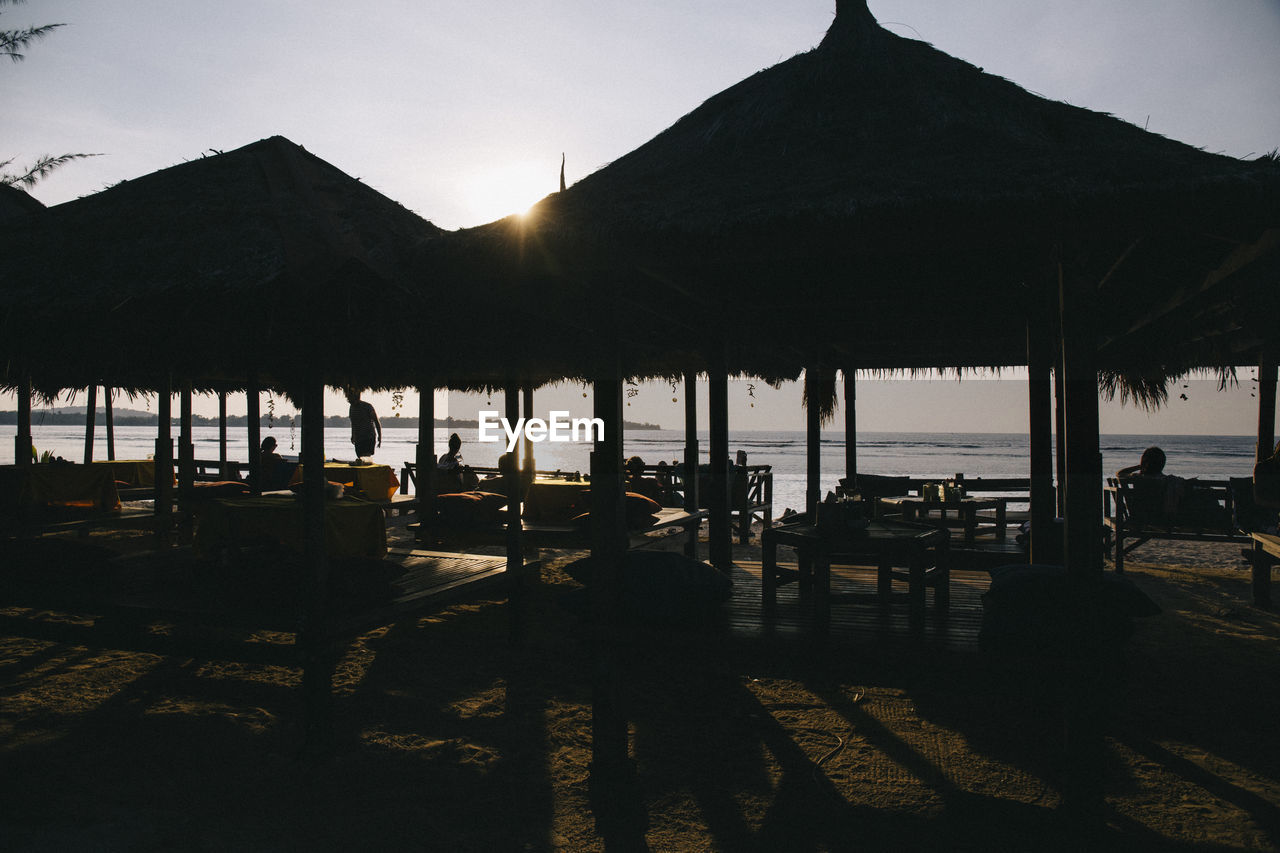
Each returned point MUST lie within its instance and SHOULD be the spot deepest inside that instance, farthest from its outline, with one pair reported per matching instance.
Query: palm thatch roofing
(265, 260)
(875, 202)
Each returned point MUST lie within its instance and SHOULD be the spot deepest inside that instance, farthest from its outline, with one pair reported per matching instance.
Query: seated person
(1156, 493)
(275, 470)
(635, 480)
(451, 474)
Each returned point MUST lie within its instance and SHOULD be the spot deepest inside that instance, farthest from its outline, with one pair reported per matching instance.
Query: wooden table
(375, 482)
(352, 527)
(133, 473)
(920, 550)
(58, 485)
(915, 508)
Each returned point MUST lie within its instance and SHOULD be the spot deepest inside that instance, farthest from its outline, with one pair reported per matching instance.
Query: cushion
(1029, 607)
(470, 509)
(222, 489)
(663, 587)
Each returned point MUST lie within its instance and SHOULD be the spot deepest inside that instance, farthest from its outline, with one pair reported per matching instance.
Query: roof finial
(852, 18)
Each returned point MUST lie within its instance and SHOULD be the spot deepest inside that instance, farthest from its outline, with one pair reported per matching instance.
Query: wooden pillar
(719, 530)
(164, 461)
(253, 426)
(186, 449)
(512, 487)
(22, 452)
(1261, 568)
(223, 471)
(813, 445)
(1266, 405)
(609, 749)
(1040, 436)
(851, 427)
(1060, 431)
(90, 421)
(425, 454)
(111, 423)
(1085, 676)
(691, 441)
(526, 446)
(315, 645)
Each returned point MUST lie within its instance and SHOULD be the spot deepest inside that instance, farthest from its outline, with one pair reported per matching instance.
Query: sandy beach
(450, 738)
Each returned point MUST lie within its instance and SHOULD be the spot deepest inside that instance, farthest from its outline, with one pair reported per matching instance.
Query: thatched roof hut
(263, 259)
(898, 207)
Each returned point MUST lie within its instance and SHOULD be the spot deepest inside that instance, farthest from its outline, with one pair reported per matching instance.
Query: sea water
(940, 455)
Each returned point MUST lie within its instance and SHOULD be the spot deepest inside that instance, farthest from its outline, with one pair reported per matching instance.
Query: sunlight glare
(510, 188)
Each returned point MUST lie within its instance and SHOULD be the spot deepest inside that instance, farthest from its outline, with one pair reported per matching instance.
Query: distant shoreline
(132, 417)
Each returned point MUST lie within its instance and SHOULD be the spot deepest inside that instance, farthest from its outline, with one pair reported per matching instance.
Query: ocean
(913, 454)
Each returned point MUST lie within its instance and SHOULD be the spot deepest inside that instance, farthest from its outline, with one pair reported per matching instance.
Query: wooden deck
(955, 629)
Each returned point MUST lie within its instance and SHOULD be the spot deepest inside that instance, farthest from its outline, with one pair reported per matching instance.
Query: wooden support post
(813, 445)
(526, 446)
(186, 451)
(1060, 429)
(253, 424)
(1085, 703)
(1261, 568)
(609, 749)
(90, 421)
(1044, 547)
(425, 454)
(1267, 373)
(316, 646)
(851, 426)
(512, 487)
(22, 447)
(111, 423)
(719, 529)
(223, 470)
(164, 462)
(691, 441)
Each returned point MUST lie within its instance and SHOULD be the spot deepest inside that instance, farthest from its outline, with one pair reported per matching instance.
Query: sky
(461, 110)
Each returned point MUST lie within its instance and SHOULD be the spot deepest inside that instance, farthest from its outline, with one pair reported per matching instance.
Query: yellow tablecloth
(375, 482)
(352, 527)
(134, 473)
(59, 485)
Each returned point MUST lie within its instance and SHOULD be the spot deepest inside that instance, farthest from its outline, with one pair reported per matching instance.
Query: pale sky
(460, 110)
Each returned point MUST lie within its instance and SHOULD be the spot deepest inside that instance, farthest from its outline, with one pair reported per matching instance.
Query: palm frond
(39, 170)
(12, 42)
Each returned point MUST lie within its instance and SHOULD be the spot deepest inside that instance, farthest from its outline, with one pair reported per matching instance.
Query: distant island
(73, 416)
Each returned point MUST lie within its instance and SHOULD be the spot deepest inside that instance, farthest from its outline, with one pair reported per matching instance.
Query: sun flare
(510, 188)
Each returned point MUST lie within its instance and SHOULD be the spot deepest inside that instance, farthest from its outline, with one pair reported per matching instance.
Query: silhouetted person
(638, 483)
(276, 471)
(366, 431)
(451, 474)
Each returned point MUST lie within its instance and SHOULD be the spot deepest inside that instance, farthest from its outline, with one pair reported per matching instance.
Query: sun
(498, 191)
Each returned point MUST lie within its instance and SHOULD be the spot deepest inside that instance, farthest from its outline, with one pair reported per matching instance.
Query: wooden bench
(1134, 513)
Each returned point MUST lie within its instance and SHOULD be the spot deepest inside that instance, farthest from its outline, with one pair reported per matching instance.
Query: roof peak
(853, 20)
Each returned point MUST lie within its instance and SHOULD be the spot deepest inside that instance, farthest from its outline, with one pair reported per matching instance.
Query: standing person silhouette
(365, 427)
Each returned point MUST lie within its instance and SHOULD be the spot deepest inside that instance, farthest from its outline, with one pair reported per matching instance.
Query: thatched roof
(263, 258)
(879, 203)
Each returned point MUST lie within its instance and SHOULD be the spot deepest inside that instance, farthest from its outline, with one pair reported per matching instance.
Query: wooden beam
(186, 449)
(719, 529)
(851, 426)
(813, 444)
(609, 748)
(509, 468)
(111, 423)
(22, 447)
(164, 462)
(526, 446)
(425, 453)
(1266, 404)
(253, 423)
(90, 421)
(691, 441)
(317, 652)
(1083, 482)
(222, 437)
(1040, 436)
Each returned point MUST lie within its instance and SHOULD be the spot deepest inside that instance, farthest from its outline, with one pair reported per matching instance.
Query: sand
(449, 738)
